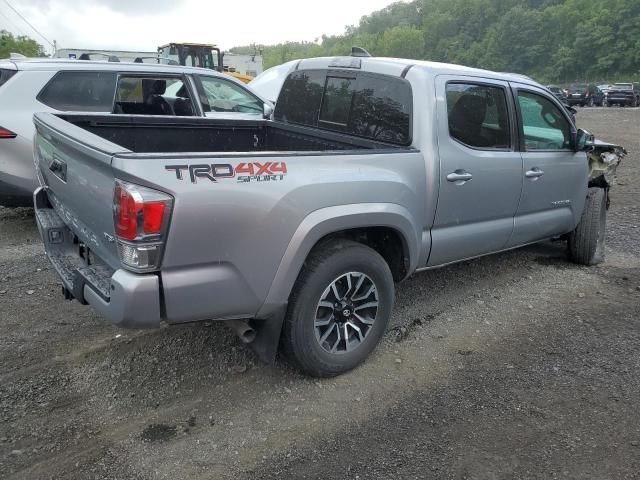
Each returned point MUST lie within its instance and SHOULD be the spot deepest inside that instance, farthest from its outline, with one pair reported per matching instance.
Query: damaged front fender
(604, 159)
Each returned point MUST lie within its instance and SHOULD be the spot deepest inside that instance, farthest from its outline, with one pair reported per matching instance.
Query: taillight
(4, 133)
(141, 217)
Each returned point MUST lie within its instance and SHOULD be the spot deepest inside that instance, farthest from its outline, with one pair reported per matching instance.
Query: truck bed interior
(172, 135)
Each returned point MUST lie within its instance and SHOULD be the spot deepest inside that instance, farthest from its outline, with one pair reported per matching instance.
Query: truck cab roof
(400, 66)
(269, 83)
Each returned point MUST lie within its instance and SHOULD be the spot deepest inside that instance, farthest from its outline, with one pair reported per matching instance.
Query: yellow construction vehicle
(199, 55)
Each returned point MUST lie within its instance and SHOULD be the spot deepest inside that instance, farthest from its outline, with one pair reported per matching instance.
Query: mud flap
(78, 287)
(267, 341)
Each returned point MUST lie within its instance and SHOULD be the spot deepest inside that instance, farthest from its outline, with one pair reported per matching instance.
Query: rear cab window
(80, 91)
(378, 107)
(153, 95)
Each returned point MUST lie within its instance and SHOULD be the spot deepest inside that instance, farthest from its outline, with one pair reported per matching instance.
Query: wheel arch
(369, 224)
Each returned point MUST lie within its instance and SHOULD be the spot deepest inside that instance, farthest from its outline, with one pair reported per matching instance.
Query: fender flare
(325, 221)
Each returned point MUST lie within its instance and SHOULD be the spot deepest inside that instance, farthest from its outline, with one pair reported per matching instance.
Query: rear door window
(478, 115)
(80, 91)
(362, 104)
(153, 95)
(5, 75)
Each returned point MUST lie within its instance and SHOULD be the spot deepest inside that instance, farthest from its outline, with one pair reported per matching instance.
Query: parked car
(296, 229)
(585, 95)
(624, 94)
(269, 82)
(605, 88)
(558, 92)
(42, 85)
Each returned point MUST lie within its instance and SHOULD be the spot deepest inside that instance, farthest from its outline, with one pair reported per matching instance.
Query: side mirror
(583, 139)
(267, 111)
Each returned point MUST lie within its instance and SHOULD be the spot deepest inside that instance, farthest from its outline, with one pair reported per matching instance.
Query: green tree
(21, 44)
(402, 41)
(558, 41)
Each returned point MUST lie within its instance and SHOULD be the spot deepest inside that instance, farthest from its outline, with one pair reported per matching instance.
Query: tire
(337, 263)
(634, 102)
(586, 242)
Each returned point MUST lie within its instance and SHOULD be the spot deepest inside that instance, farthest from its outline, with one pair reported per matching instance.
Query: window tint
(478, 115)
(80, 91)
(223, 96)
(336, 103)
(371, 106)
(382, 109)
(155, 95)
(544, 125)
(6, 75)
(300, 97)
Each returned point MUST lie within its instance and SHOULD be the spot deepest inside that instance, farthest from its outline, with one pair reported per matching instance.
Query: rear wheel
(587, 241)
(339, 308)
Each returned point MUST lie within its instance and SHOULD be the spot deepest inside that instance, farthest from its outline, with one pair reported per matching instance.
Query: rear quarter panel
(227, 238)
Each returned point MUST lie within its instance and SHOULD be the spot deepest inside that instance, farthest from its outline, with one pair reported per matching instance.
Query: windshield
(225, 96)
(269, 82)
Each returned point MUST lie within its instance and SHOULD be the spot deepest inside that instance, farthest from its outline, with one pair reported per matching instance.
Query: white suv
(42, 85)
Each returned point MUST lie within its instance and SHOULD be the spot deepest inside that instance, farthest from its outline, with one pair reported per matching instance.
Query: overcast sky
(145, 24)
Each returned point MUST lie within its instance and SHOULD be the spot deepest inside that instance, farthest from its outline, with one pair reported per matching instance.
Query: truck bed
(171, 135)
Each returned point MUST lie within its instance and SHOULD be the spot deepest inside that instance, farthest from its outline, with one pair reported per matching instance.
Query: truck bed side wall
(227, 238)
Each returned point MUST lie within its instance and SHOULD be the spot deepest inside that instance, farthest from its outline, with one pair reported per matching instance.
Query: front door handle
(459, 177)
(535, 172)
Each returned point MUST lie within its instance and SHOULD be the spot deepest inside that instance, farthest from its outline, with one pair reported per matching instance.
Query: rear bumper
(127, 299)
(622, 100)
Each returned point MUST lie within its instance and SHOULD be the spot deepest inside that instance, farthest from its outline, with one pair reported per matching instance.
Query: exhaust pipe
(242, 329)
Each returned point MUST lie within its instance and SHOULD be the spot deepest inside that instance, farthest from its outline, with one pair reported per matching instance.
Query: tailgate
(75, 168)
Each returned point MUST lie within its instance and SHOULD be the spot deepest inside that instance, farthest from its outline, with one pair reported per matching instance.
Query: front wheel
(339, 308)
(586, 242)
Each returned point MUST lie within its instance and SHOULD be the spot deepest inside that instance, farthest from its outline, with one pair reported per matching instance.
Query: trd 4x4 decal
(243, 172)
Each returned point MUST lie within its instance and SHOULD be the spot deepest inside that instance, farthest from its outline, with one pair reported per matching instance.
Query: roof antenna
(359, 52)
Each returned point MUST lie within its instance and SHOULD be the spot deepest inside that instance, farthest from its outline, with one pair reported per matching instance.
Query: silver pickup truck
(295, 230)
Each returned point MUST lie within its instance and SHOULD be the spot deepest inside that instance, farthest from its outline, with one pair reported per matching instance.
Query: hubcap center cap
(344, 310)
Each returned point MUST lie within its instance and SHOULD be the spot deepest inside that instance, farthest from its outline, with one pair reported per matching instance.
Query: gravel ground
(518, 365)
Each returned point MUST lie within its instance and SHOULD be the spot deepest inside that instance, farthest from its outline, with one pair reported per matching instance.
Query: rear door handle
(535, 172)
(459, 177)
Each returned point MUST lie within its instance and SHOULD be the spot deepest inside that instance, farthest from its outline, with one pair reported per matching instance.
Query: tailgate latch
(59, 168)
